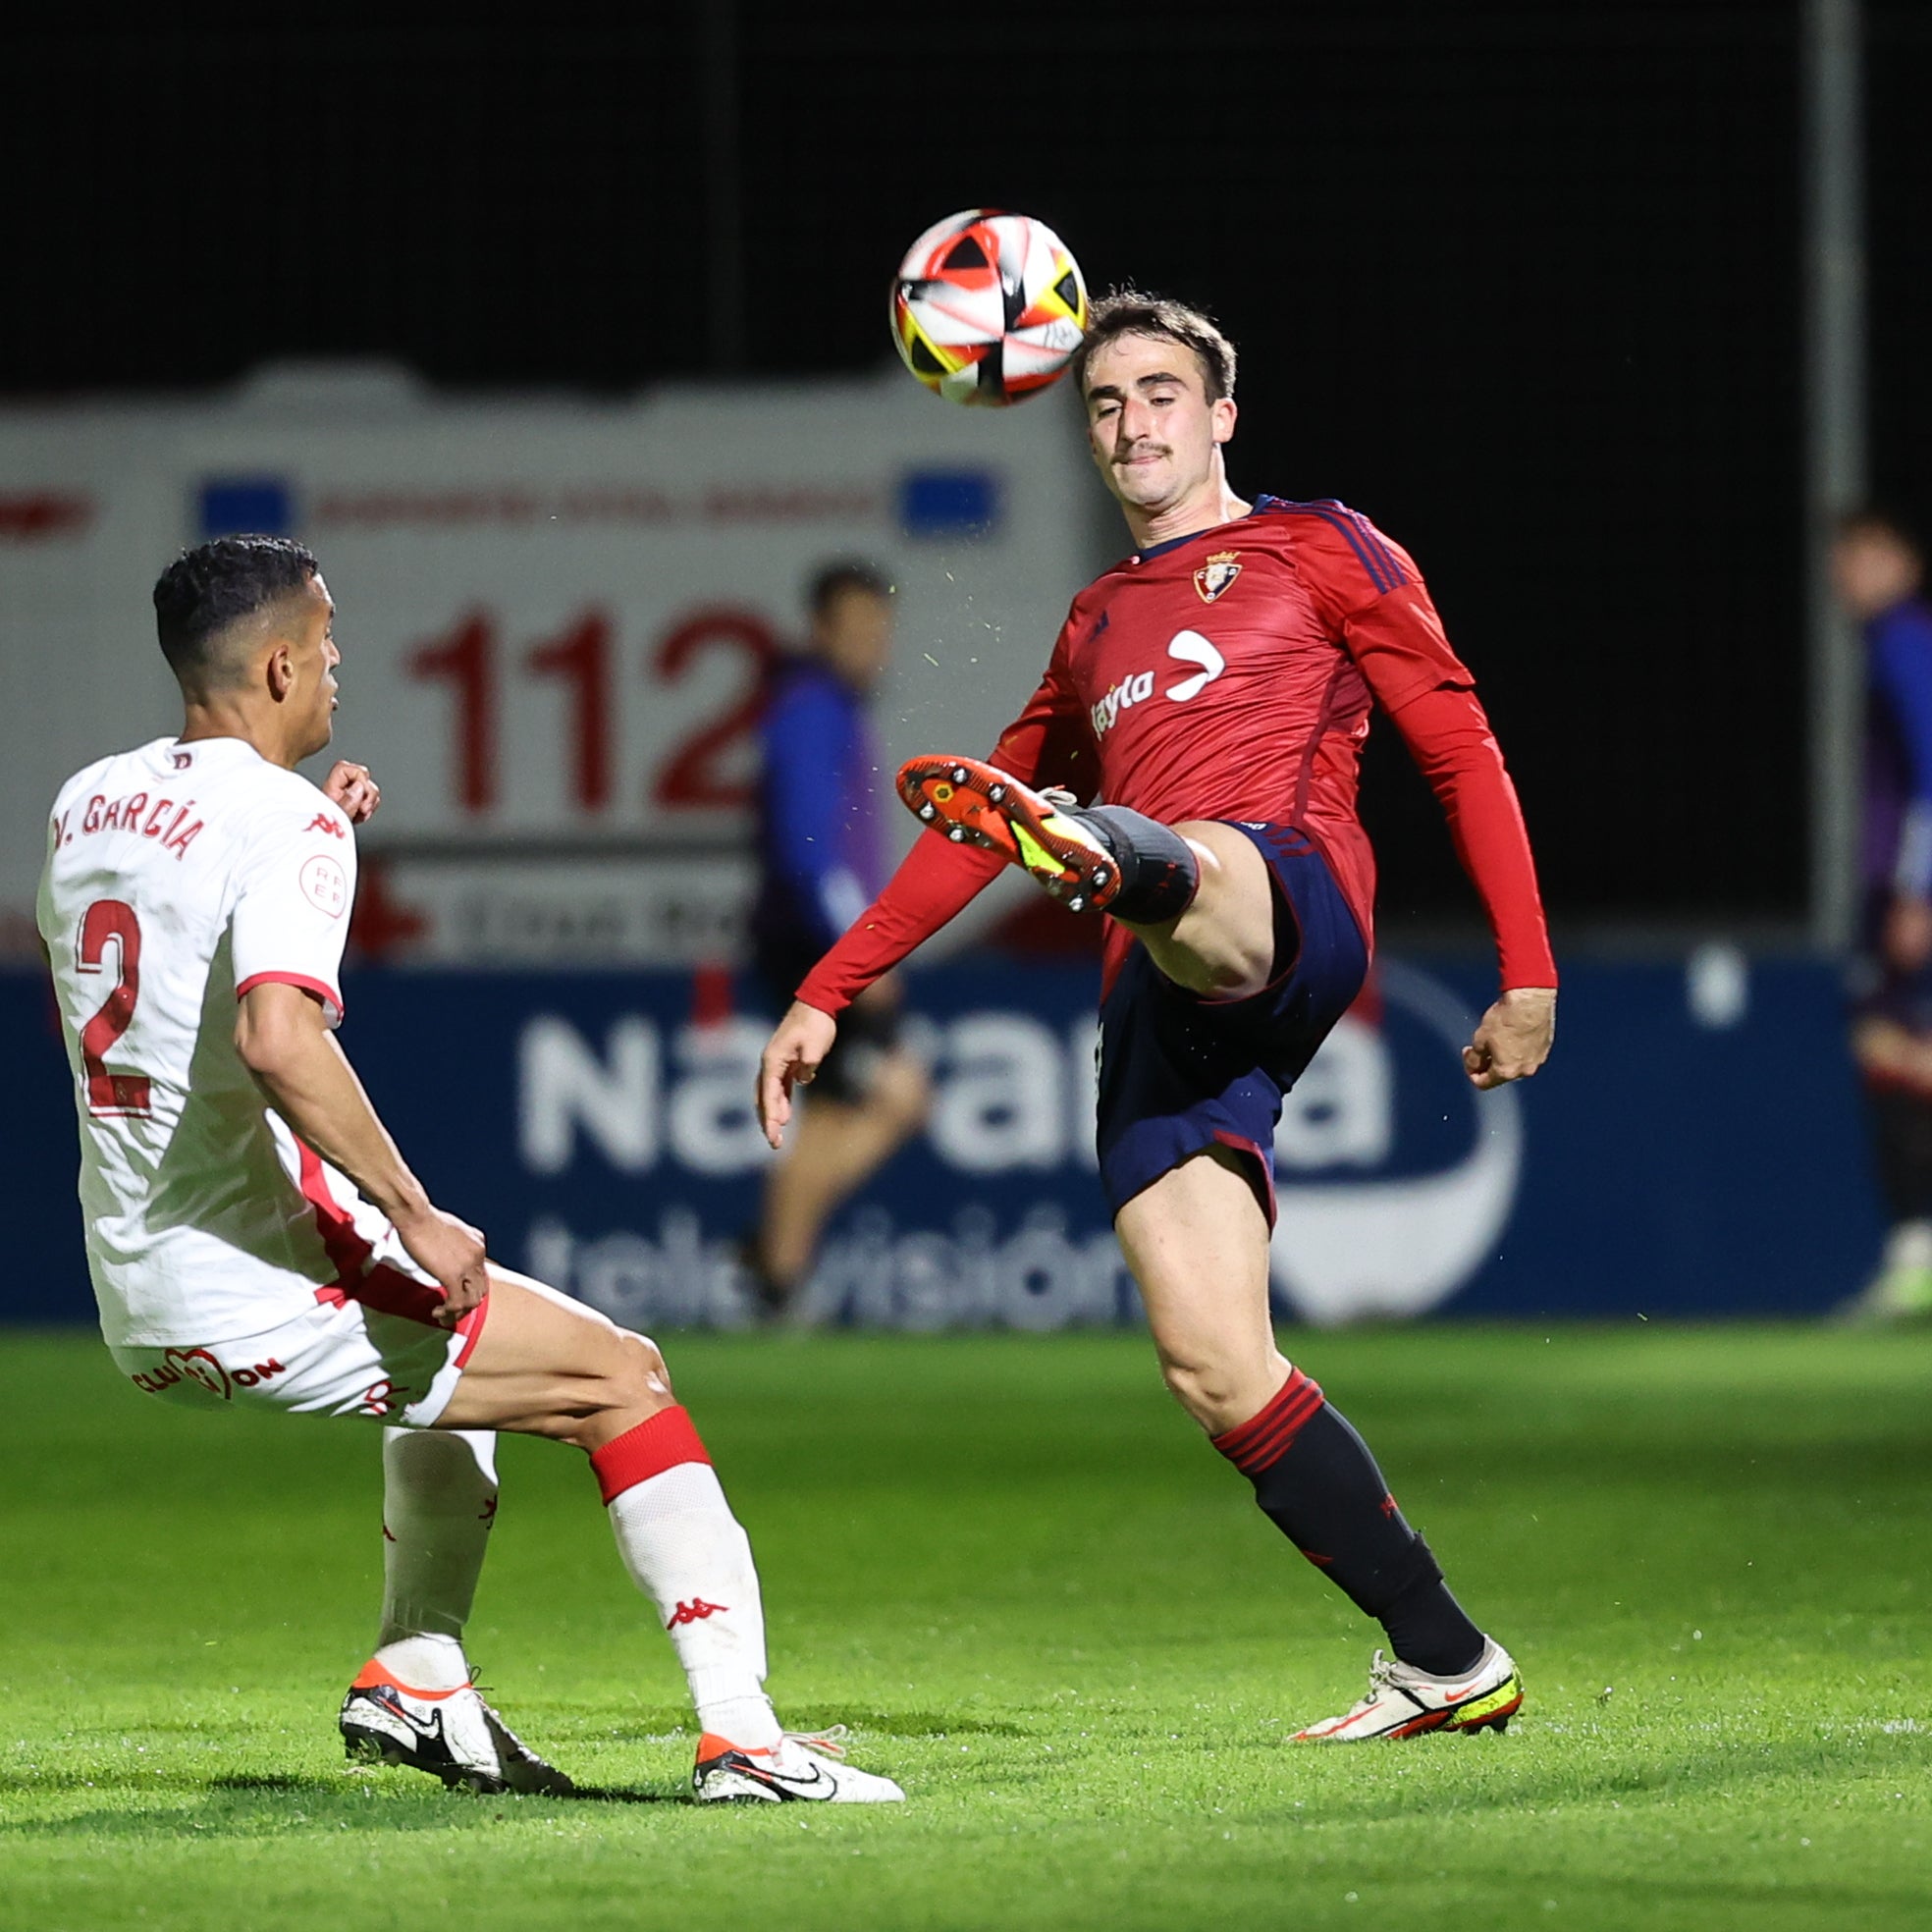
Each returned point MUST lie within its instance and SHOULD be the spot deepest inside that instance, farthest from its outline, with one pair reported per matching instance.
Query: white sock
(425, 1663)
(686, 1552)
(439, 1501)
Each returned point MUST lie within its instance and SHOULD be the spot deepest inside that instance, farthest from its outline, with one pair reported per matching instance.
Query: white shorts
(340, 1358)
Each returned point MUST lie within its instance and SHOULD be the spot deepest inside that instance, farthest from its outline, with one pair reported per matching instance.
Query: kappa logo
(695, 1612)
(322, 821)
(1216, 576)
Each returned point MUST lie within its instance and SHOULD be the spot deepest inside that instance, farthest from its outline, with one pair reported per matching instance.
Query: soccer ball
(987, 308)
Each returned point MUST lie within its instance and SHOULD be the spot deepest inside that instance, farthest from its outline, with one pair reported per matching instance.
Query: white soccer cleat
(1405, 1702)
(801, 1765)
(1902, 1291)
(452, 1735)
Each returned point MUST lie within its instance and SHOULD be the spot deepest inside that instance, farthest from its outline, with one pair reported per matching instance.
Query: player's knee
(1204, 1388)
(640, 1382)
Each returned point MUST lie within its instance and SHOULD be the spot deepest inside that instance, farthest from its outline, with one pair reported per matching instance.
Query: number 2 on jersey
(111, 1094)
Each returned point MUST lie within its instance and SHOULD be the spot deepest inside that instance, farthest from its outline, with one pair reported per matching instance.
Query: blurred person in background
(823, 860)
(1877, 568)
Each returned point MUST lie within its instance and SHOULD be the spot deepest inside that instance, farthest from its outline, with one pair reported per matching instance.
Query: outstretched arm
(1449, 736)
(1397, 639)
(283, 1037)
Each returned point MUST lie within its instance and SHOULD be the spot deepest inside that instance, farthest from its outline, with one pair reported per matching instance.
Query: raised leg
(1224, 946)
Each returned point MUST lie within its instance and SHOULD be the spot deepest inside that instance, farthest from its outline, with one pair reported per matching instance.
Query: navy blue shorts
(1179, 1073)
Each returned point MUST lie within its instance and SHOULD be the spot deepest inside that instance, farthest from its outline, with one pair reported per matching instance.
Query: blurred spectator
(1877, 568)
(821, 801)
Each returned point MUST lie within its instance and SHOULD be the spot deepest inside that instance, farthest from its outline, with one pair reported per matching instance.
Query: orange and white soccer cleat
(976, 804)
(452, 1735)
(1405, 1702)
(801, 1765)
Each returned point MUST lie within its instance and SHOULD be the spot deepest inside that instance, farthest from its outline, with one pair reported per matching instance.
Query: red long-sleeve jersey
(1231, 675)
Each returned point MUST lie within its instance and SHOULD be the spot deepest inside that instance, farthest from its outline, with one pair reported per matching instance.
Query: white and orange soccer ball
(987, 308)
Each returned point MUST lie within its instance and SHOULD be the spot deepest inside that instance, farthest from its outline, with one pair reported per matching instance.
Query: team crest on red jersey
(1217, 574)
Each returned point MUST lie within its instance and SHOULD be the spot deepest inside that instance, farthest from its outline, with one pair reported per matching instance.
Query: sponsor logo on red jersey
(1186, 647)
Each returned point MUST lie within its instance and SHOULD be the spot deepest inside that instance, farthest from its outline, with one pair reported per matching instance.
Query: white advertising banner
(555, 616)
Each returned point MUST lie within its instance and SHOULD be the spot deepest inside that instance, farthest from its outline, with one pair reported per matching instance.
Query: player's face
(1154, 430)
(312, 658)
(1872, 571)
(854, 635)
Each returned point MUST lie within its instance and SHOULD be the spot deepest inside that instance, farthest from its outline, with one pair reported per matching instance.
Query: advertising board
(599, 1127)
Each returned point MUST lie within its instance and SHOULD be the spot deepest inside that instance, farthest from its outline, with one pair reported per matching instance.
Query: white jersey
(177, 877)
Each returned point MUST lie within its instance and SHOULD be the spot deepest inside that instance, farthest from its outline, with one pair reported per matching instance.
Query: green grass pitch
(1050, 1610)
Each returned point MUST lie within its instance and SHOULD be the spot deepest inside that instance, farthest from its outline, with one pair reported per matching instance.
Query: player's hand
(453, 1252)
(1514, 1039)
(792, 1056)
(352, 788)
(1908, 933)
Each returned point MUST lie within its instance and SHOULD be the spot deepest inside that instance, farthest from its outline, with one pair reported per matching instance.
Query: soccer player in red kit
(1215, 689)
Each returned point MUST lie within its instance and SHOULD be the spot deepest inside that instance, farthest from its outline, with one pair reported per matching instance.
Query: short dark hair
(849, 574)
(1132, 311)
(214, 586)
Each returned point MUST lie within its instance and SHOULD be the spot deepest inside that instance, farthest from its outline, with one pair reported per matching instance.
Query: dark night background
(1520, 280)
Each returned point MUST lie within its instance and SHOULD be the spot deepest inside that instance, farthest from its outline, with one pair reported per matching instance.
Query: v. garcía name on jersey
(165, 820)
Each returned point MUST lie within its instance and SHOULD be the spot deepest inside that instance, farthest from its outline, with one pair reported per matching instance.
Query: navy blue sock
(1159, 871)
(1318, 1483)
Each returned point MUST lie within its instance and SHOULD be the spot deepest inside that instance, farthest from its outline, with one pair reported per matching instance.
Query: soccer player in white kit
(256, 1238)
